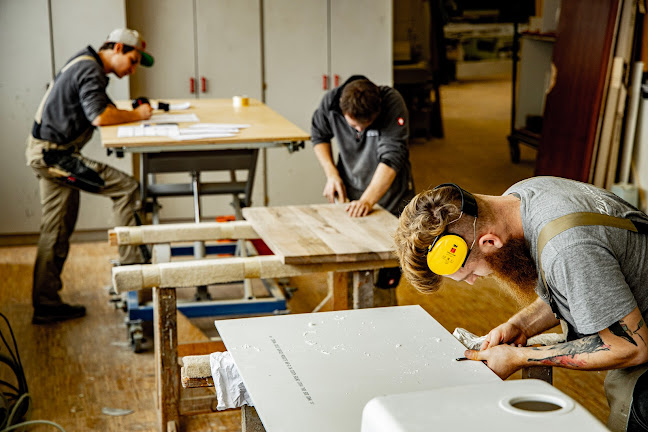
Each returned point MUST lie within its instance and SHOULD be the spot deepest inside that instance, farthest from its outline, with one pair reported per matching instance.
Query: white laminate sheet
(316, 372)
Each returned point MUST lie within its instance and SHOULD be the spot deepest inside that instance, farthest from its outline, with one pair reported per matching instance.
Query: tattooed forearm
(640, 324)
(621, 330)
(566, 352)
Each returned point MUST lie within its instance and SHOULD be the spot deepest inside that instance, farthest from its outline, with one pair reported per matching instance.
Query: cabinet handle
(192, 85)
(203, 84)
(336, 80)
(324, 82)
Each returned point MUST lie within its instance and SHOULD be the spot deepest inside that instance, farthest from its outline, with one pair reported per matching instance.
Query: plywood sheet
(316, 372)
(324, 233)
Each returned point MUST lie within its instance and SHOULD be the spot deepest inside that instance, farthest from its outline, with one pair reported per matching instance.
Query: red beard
(515, 270)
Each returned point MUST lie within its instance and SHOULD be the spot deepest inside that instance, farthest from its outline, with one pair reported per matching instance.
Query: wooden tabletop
(266, 125)
(324, 233)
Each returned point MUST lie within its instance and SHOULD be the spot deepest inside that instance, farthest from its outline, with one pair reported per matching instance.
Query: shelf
(543, 37)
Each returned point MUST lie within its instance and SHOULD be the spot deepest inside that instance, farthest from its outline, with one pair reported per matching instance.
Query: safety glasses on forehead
(449, 252)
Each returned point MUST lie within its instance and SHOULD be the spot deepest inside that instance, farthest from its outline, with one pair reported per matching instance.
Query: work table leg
(167, 374)
(363, 289)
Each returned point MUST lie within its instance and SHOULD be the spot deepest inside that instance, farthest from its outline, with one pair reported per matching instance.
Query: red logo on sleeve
(401, 121)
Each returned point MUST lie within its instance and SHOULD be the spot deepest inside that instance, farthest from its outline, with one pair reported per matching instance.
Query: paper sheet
(172, 118)
(146, 130)
(230, 389)
(179, 106)
(192, 132)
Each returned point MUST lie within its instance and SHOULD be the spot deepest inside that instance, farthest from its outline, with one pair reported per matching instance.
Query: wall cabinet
(42, 50)
(202, 48)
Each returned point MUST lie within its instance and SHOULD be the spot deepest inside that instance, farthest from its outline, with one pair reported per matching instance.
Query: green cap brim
(146, 60)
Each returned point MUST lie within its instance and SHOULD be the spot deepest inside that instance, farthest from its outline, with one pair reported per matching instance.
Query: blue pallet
(208, 308)
(225, 248)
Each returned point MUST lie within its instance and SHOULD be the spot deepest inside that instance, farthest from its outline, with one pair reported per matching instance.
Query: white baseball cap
(131, 38)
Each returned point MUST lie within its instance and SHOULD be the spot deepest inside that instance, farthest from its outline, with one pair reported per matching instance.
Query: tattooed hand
(504, 360)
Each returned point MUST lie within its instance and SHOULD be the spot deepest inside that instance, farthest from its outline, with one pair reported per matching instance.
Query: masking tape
(150, 276)
(135, 235)
(252, 268)
(240, 101)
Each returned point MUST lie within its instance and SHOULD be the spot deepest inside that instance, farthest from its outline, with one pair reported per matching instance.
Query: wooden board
(324, 233)
(266, 125)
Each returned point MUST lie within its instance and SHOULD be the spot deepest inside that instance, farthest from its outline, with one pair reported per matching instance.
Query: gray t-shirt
(596, 274)
(78, 96)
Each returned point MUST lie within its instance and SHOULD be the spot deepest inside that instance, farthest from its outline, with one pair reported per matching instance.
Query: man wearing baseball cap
(74, 104)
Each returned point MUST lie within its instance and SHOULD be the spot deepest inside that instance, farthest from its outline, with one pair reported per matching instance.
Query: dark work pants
(638, 420)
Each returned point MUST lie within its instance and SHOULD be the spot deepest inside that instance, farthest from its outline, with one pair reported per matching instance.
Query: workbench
(238, 153)
(163, 154)
(304, 239)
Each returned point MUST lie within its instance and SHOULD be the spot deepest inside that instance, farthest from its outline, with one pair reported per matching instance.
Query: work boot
(56, 313)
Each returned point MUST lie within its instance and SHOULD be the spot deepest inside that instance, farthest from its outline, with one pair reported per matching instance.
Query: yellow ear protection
(449, 252)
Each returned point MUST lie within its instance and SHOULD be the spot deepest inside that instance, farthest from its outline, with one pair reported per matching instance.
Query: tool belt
(72, 170)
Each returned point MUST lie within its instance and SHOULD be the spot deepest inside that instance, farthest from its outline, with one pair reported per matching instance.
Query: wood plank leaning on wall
(581, 56)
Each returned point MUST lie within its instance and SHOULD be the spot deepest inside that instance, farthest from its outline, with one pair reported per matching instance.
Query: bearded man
(570, 251)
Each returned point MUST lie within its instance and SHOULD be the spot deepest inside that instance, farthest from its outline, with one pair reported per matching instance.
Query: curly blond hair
(422, 220)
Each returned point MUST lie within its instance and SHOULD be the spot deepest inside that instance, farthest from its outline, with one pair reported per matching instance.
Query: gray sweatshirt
(385, 140)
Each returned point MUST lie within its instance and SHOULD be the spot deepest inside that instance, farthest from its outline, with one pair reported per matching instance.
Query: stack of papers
(193, 132)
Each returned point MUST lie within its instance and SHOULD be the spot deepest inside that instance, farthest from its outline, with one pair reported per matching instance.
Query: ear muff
(447, 254)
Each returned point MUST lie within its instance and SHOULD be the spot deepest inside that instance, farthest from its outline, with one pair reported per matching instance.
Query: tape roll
(240, 101)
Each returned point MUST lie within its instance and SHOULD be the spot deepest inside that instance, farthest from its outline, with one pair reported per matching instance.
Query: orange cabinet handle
(203, 84)
(324, 82)
(192, 85)
(336, 80)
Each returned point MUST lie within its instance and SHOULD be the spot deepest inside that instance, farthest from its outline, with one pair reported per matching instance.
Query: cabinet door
(361, 40)
(168, 29)
(24, 74)
(229, 48)
(75, 25)
(296, 59)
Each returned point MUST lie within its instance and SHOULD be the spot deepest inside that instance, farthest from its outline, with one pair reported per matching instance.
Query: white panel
(78, 24)
(168, 29)
(295, 61)
(229, 47)
(229, 59)
(317, 371)
(535, 67)
(74, 26)
(361, 39)
(24, 75)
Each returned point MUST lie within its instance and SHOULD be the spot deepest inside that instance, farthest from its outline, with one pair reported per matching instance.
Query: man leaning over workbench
(582, 249)
(74, 104)
(371, 126)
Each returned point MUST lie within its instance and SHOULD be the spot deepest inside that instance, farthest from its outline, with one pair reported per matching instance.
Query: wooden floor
(81, 369)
